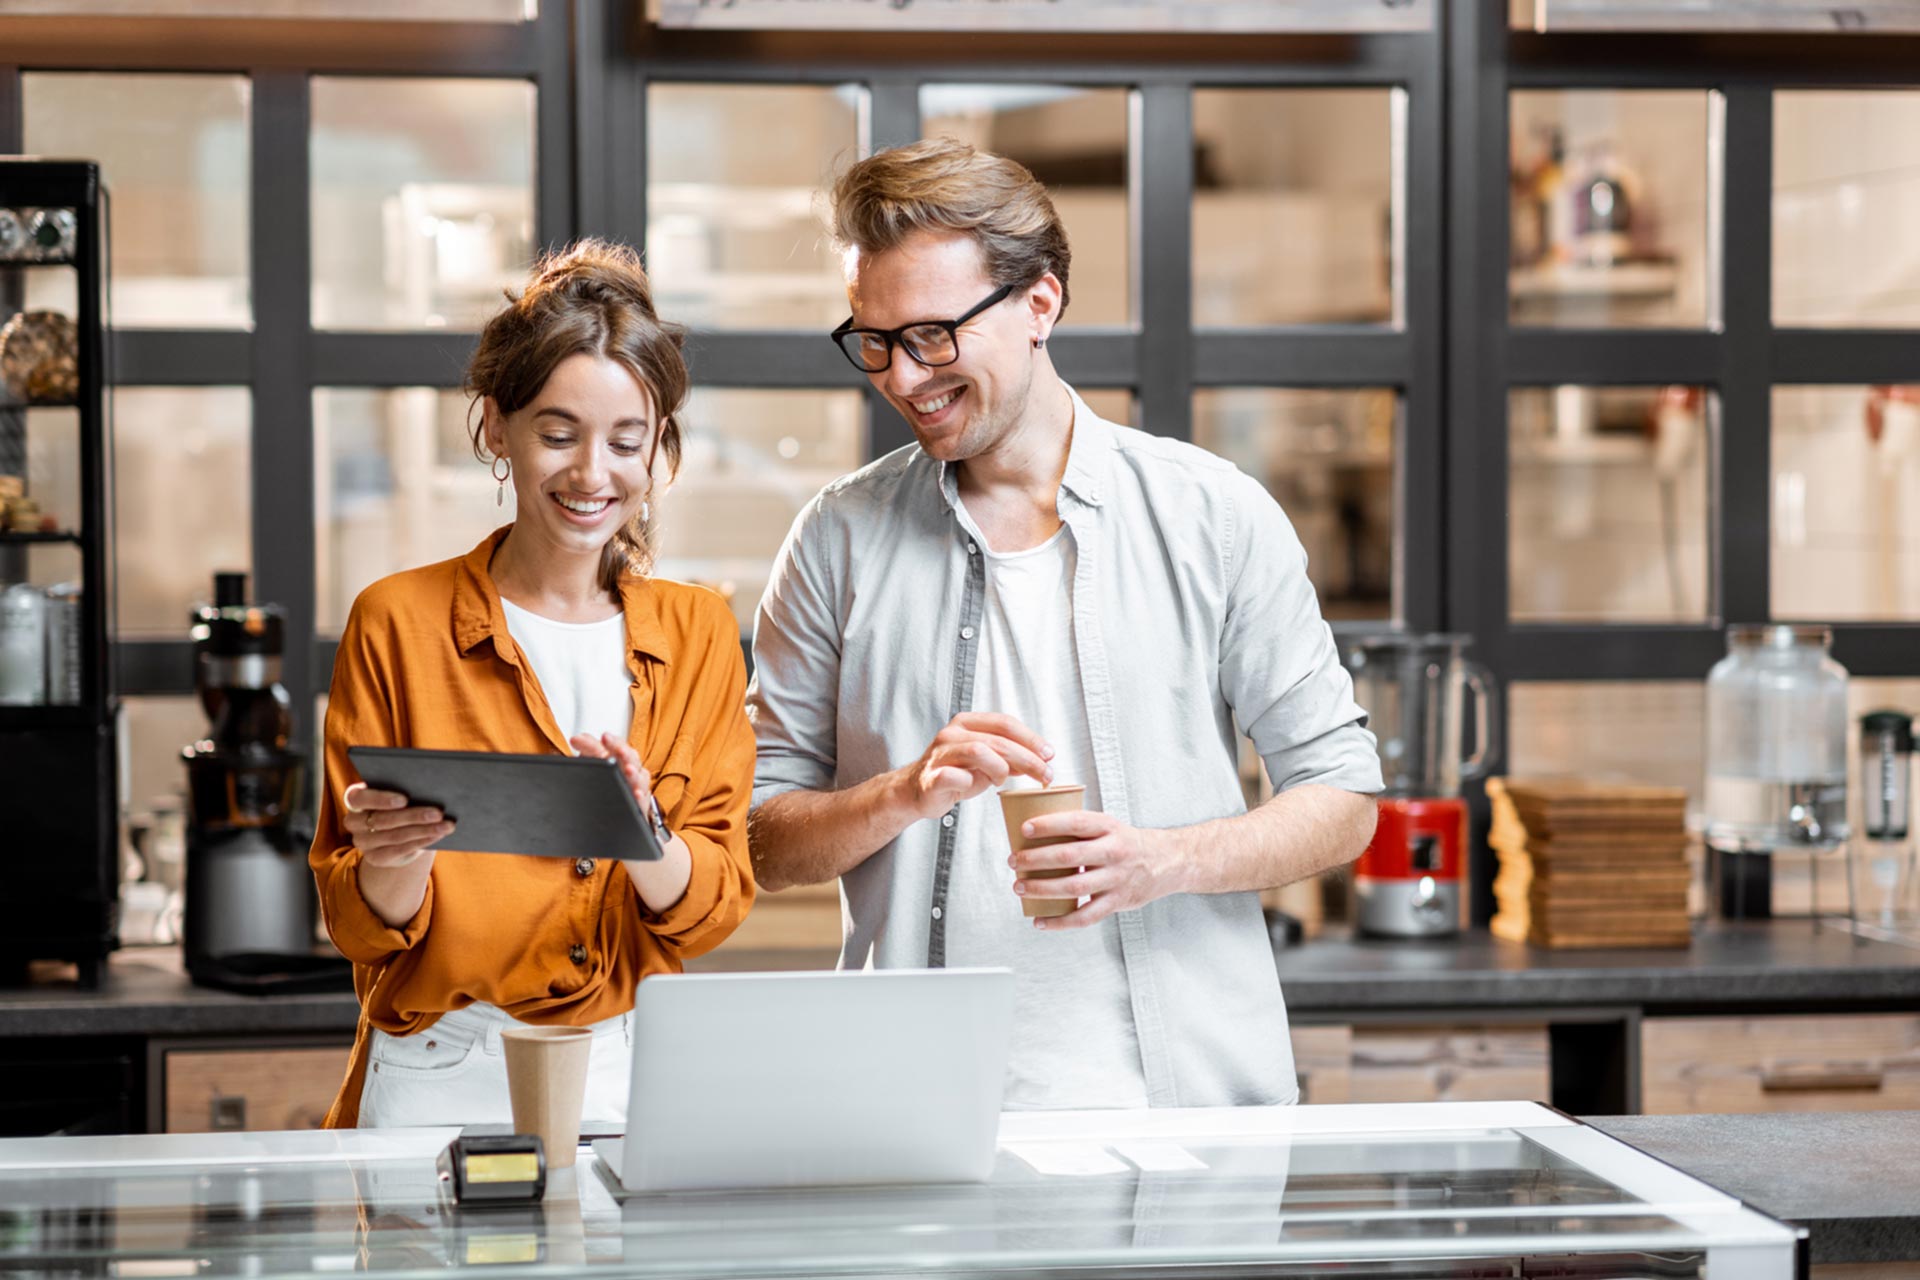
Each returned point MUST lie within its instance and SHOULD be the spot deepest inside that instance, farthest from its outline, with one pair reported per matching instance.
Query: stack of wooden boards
(1586, 864)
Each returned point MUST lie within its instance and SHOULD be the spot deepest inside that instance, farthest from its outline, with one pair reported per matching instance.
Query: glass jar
(1777, 742)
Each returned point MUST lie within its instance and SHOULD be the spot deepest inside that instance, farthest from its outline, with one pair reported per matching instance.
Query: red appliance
(1410, 883)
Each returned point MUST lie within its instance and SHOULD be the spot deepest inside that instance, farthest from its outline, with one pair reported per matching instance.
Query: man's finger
(1081, 824)
(1018, 758)
(1006, 727)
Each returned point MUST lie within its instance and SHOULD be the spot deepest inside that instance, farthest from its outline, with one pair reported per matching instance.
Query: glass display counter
(1432, 1190)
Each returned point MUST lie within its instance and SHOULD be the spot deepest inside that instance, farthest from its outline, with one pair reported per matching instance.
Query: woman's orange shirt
(426, 661)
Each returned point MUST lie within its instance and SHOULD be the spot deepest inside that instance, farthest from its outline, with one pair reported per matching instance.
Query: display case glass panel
(183, 502)
(1328, 456)
(175, 159)
(1076, 142)
(735, 238)
(1846, 526)
(1613, 208)
(1609, 514)
(422, 200)
(1846, 208)
(1297, 214)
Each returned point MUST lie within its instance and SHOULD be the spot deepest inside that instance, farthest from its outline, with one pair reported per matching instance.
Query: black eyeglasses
(930, 342)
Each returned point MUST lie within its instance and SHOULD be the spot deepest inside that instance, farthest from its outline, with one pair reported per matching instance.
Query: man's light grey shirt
(1192, 611)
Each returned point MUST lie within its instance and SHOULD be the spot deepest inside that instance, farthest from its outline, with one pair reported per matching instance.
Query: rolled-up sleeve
(711, 813)
(1279, 669)
(360, 713)
(794, 699)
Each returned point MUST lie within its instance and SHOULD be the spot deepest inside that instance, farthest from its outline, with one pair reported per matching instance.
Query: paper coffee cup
(1018, 806)
(547, 1080)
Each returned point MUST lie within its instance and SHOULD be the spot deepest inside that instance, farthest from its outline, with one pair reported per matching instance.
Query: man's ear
(1043, 306)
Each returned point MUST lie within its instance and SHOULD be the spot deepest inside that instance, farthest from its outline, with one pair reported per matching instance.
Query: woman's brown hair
(592, 298)
(939, 185)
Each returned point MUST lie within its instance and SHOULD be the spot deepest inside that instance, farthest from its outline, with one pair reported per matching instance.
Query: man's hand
(1122, 867)
(976, 752)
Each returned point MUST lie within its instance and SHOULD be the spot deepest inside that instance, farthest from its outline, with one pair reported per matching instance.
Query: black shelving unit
(59, 842)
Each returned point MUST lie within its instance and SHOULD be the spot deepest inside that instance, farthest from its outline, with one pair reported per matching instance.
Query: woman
(547, 637)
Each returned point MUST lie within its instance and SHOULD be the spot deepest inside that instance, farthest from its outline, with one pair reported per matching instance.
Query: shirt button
(946, 819)
(966, 633)
(583, 867)
(972, 550)
(577, 954)
(936, 913)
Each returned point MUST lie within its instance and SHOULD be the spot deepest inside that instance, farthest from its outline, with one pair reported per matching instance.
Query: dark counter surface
(1780, 965)
(1757, 964)
(1852, 1179)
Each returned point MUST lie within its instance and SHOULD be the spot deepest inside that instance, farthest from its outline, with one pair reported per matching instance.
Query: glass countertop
(1434, 1190)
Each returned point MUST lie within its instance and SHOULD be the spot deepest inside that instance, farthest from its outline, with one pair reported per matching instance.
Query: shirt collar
(478, 617)
(1087, 458)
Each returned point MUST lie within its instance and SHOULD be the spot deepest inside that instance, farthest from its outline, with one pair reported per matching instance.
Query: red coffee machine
(1410, 883)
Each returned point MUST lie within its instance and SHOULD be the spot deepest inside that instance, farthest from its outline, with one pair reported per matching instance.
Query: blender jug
(1410, 881)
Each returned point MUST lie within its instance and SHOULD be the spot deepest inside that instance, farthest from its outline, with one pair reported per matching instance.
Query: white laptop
(814, 1079)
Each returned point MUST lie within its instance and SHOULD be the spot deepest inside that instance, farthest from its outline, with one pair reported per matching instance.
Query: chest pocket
(671, 779)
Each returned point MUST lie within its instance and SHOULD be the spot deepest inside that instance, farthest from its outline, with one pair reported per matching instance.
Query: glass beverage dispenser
(1776, 758)
(1409, 882)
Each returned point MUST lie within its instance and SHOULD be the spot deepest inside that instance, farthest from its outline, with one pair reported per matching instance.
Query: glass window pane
(734, 239)
(753, 458)
(396, 486)
(173, 153)
(1075, 142)
(1293, 219)
(1846, 208)
(1608, 504)
(1328, 458)
(1846, 526)
(183, 499)
(1611, 205)
(422, 200)
(1115, 404)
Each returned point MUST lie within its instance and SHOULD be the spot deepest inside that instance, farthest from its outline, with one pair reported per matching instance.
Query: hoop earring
(1039, 343)
(500, 498)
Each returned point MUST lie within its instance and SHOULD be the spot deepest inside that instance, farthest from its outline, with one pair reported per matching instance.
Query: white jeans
(453, 1072)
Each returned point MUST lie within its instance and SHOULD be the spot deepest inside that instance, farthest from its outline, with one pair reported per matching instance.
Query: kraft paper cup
(1018, 806)
(547, 1079)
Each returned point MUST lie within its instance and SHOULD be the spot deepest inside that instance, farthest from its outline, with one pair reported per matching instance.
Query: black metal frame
(593, 60)
(284, 358)
(1160, 357)
(1742, 361)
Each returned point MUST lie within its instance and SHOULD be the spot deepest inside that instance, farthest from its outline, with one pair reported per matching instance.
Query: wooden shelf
(12, 538)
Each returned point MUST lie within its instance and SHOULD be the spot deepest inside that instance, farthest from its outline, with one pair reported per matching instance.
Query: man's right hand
(977, 751)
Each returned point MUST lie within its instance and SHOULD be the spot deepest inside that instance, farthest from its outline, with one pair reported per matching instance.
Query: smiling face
(967, 408)
(580, 452)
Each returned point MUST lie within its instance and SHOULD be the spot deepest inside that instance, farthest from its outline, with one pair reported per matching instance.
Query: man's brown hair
(942, 186)
(592, 298)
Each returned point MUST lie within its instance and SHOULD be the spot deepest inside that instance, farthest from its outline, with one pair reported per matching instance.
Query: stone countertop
(1851, 1179)
(1781, 965)
(1757, 965)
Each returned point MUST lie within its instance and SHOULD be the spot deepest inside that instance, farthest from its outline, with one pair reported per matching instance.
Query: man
(1034, 595)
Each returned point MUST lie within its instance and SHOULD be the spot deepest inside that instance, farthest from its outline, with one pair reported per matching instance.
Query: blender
(1409, 883)
(1886, 786)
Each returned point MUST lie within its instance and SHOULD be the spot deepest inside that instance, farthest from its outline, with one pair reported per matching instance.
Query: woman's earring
(500, 498)
(646, 511)
(1039, 343)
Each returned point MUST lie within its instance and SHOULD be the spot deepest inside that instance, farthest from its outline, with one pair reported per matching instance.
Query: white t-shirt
(1074, 1044)
(582, 668)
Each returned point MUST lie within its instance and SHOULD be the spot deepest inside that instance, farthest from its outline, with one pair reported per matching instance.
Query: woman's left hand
(607, 745)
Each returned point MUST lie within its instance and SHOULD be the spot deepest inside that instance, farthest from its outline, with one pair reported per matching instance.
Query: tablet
(548, 806)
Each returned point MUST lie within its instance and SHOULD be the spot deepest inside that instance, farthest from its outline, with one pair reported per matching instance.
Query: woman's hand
(609, 746)
(389, 832)
(662, 882)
